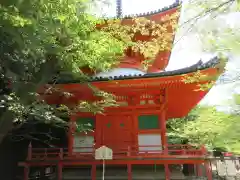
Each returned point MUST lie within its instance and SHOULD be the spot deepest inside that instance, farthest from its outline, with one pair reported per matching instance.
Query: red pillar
(26, 173)
(199, 169)
(129, 167)
(134, 119)
(94, 172)
(163, 130)
(167, 172)
(71, 135)
(98, 132)
(208, 170)
(59, 177)
(29, 156)
(164, 140)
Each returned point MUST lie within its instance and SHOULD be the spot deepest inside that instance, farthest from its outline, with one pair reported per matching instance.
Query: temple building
(135, 130)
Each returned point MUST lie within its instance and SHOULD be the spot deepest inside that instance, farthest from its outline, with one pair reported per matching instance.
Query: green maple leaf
(238, 4)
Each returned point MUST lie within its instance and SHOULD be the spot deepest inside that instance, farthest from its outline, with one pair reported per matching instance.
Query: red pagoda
(135, 130)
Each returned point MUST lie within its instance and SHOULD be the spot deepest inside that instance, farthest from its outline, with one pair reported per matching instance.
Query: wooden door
(117, 132)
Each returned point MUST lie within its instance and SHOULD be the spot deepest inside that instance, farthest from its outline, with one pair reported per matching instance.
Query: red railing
(139, 152)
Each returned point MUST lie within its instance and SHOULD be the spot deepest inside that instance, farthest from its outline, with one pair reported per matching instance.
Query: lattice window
(142, 102)
(146, 96)
(122, 100)
(146, 99)
(151, 99)
(123, 103)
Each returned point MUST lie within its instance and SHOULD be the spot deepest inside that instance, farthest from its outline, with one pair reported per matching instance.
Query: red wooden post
(129, 151)
(129, 166)
(59, 177)
(94, 172)
(208, 170)
(45, 153)
(26, 172)
(70, 136)
(164, 131)
(98, 133)
(167, 172)
(61, 154)
(29, 157)
(135, 148)
(164, 136)
(199, 170)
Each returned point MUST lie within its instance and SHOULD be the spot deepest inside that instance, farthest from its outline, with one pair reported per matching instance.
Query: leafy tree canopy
(41, 39)
(209, 127)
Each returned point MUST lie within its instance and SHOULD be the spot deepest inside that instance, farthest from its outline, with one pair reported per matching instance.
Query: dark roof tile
(174, 5)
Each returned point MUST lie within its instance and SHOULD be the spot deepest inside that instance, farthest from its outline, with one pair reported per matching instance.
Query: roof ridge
(149, 13)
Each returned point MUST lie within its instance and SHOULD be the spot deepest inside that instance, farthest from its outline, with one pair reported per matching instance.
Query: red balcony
(129, 157)
(138, 154)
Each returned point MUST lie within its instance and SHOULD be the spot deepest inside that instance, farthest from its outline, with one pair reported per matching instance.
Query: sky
(187, 49)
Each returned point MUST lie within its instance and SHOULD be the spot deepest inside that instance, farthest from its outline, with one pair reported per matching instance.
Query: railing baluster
(29, 157)
(61, 154)
(45, 154)
(129, 151)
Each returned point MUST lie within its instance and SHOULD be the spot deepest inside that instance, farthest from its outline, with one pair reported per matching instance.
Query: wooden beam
(170, 160)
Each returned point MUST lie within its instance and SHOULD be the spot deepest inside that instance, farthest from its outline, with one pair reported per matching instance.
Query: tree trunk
(6, 123)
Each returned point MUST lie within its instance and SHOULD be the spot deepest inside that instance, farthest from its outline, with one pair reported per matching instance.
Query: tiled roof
(174, 5)
(198, 66)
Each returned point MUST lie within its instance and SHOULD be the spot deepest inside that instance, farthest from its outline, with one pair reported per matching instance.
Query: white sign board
(103, 153)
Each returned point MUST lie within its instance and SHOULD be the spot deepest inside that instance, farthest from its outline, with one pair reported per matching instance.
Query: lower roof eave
(151, 79)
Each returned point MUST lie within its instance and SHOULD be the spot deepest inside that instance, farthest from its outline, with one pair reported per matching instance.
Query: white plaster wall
(150, 139)
(81, 142)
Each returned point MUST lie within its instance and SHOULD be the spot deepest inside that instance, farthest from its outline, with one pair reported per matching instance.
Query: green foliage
(40, 27)
(236, 98)
(238, 4)
(42, 39)
(212, 22)
(234, 104)
(211, 128)
(176, 125)
(38, 39)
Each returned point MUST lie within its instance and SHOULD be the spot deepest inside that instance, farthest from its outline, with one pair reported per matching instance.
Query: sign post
(103, 153)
